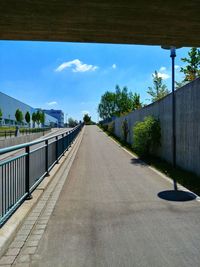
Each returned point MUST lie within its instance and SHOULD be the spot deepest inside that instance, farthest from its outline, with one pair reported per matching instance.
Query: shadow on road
(138, 162)
(176, 195)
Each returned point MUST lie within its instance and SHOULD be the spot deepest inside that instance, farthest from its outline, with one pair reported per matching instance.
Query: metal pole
(173, 55)
(57, 161)
(47, 157)
(27, 182)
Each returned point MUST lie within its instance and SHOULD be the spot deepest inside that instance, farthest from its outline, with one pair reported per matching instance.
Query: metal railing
(21, 172)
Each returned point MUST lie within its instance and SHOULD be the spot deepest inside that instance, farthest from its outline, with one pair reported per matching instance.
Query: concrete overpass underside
(155, 22)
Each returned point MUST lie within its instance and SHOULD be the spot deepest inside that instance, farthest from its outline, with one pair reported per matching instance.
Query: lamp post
(173, 55)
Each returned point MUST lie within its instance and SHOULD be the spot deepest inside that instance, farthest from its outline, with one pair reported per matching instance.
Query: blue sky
(73, 76)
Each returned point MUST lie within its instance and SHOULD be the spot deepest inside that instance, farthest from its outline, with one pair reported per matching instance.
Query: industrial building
(58, 114)
(9, 105)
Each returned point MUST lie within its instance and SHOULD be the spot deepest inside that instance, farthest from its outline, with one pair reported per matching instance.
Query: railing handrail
(24, 145)
(21, 174)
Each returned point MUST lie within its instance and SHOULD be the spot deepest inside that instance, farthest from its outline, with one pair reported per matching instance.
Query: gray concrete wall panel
(187, 125)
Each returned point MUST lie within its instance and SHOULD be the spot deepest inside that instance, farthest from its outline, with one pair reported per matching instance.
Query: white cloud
(163, 73)
(52, 103)
(85, 112)
(114, 66)
(162, 69)
(77, 66)
(164, 76)
(177, 67)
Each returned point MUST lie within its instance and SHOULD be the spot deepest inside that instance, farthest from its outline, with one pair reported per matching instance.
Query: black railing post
(63, 144)
(27, 182)
(57, 161)
(67, 141)
(47, 157)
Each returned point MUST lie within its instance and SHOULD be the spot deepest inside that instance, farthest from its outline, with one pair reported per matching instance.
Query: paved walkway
(108, 213)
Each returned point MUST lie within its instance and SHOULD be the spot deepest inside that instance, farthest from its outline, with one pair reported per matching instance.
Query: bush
(111, 127)
(146, 136)
(125, 130)
(105, 127)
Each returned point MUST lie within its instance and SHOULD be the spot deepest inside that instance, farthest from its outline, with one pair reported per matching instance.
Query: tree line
(86, 118)
(37, 117)
(118, 103)
(123, 101)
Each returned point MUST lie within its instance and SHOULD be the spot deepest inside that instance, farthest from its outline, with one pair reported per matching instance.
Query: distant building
(58, 114)
(9, 105)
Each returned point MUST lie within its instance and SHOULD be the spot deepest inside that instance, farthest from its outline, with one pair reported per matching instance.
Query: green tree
(192, 69)
(159, 90)
(87, 119)
(118, 103)
(136, 101)
(42, 118)
(123, 100)
(38, 117)
(28, 117)
(19, 116)
(34, 118)
(1, 115)
(107, 106)
(72, 123)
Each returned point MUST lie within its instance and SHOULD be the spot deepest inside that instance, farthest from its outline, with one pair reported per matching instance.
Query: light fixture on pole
(173, 55)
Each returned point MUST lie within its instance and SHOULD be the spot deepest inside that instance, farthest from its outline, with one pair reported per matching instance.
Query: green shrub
(125, 130)
(111, 127)
(146, 136)
(105, 127)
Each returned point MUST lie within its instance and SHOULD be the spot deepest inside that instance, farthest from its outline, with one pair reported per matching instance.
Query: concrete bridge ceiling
(155, 22)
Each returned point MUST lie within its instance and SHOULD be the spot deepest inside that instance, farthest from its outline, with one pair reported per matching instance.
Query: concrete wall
(187, 125)
(20, 139)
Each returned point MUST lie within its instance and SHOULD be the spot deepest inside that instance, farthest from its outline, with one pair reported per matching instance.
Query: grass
(7, 128)
(183, 177)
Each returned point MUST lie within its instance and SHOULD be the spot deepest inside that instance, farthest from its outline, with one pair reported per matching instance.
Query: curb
(10, 228)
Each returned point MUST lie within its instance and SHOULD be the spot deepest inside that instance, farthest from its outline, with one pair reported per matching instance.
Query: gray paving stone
(43, 221)
(24, 232)
(21, 265)
(36, 257)
(23, 258)
(35, 213)
(13, 252)
(33, 217)
(40, 226)
(17, 244)
(45, 217)
(29, 222)
(26, 227)
(20, 237)
(7, 260)
(32, 243)
(47, 213)
(38, 232)
(29, 250)
(34, 238)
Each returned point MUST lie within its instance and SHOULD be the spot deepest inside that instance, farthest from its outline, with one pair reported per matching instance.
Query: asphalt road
(109, 214)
